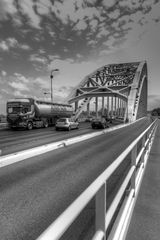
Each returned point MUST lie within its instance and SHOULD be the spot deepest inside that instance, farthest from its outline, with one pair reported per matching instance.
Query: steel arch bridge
(114, 90)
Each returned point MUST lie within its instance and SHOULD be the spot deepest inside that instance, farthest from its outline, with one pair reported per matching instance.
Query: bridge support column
(96, 106)
(88, 109)
(102, 106)
(116, 106)
(76, 106)
(121, 107)
(107, 106)
(111, 106)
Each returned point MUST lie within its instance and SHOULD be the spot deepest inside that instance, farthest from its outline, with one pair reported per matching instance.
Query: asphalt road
(34, 192)
(17, 140)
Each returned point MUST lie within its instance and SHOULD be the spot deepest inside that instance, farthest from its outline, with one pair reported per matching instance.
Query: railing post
(143, 154)
(133, 159)
(101, 209)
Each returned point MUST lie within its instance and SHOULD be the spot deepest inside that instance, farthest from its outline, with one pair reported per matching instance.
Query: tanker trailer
(29, 113)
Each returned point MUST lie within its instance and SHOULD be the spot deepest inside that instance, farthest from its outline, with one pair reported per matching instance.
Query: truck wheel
(29, 126)
(45, 124)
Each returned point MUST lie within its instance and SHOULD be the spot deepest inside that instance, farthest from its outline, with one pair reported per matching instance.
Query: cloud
(18, 93)
(131, 4)
(43, 7)
(42, 83)
(24, 47)
(3, 73)
(108, 3)
(18, 82)
(21, 78)
(75, 11)
(19, 86)
(81, 25)
(38, 58)
(27, 9)
(102, 31)
(6, 45)
(93, 24)
(115, 14)
(7, 7)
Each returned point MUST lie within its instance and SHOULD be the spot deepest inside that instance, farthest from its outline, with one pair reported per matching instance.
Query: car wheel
(29, 126)
(69, 128)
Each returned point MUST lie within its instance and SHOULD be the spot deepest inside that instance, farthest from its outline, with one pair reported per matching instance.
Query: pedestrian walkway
(145, 222)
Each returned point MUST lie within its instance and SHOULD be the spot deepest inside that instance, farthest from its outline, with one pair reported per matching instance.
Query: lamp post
(51, 76)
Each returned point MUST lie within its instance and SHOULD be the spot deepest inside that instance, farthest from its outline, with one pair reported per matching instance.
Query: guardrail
(139, 151)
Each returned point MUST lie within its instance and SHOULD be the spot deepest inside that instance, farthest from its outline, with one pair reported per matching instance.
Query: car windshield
(97, 119)
(62, 120)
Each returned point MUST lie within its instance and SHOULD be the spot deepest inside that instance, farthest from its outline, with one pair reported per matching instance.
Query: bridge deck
(145, 222)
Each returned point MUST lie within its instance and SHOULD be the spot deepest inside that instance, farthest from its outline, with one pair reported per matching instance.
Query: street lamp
(51, 76)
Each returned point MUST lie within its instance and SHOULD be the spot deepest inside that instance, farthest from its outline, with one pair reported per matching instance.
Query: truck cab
(19, 113)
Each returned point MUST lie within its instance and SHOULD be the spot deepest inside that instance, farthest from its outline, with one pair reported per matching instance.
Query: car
(110, 119)
(99, 123)
(89, 119)
(66, 124)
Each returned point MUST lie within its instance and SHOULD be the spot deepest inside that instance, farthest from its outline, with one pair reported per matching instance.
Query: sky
(77, 37)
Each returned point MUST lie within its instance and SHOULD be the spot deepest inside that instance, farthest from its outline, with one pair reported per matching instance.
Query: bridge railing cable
(127, 192)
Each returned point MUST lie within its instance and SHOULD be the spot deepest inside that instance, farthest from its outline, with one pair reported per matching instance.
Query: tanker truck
(31, 113)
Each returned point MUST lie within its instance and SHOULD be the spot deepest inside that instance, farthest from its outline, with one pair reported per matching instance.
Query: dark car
(99, 123)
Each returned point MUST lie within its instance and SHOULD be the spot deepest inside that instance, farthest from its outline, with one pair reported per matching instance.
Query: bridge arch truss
(114, 90)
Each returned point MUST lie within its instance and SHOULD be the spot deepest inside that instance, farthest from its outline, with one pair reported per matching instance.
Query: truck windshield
(18, 108)
(14, 110)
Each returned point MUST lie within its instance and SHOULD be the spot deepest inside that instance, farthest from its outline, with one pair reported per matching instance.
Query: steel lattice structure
(123, 85)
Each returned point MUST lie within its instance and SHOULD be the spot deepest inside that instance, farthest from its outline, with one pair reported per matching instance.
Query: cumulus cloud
(42, 83)
(17, 93)
(115, 14)
(75, 11)
(19, 86)
(27, 9)
(7, 7)
(131, 4)
(108, 3)
(37, 58)
(43, 7)
(21, 78)
(3, 73)
(81, 25)
(6, 45)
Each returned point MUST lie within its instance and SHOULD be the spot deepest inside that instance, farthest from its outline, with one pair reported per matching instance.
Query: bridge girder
(124, 81)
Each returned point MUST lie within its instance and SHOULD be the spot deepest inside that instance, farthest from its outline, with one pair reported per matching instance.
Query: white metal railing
(98, 190)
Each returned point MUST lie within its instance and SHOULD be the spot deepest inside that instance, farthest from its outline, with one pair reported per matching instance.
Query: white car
(67, 124)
